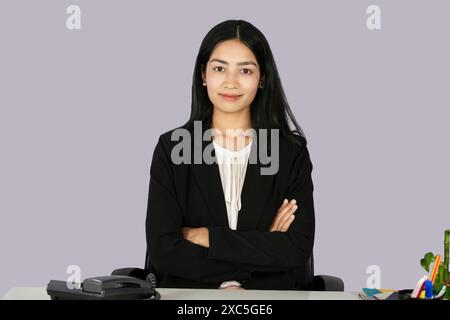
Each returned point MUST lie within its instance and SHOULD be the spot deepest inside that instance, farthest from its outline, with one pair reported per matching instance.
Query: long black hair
(269, 109)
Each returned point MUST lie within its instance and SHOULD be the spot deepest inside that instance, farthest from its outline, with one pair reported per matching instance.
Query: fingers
(287, 223)
(277, 216)
(285, 210)
(287, 207)
(283, 213)
(287, 218)
(285, 202)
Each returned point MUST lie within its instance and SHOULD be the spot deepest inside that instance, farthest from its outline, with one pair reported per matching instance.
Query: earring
(204, 83)
(260, 85)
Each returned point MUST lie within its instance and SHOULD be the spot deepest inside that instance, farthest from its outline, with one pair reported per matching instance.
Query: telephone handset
(112, 287)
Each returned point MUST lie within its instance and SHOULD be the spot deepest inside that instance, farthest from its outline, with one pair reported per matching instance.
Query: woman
(226, 224)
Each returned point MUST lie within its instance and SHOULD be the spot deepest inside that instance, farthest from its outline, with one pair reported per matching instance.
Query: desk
(40, 293)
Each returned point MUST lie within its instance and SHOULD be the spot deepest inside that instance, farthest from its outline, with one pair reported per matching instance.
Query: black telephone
(112, 287)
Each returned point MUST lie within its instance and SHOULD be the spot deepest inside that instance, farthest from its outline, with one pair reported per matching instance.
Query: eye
(249, 71)
(215, 68)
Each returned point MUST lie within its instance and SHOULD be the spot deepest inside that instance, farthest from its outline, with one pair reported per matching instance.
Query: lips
(230, 96)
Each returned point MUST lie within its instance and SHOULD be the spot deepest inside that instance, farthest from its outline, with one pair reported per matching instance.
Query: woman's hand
(285, 216)
(198, 236)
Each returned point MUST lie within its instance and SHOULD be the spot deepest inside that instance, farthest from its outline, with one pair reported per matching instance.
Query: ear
(203, 72)
(261, 81)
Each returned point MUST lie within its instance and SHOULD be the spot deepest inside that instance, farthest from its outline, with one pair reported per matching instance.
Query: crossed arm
(218, 254)
(283, 219)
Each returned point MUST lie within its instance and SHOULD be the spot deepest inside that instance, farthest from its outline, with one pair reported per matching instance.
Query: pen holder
(406, 295)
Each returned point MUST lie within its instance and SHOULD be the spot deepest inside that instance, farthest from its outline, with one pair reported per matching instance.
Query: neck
(231, 121)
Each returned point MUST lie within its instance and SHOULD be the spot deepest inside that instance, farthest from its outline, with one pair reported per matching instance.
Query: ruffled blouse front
(232, 167)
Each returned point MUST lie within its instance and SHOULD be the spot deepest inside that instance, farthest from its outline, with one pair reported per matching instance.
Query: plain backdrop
(81, 112)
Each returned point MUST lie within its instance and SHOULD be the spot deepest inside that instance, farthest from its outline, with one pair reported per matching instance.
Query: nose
(230, 81)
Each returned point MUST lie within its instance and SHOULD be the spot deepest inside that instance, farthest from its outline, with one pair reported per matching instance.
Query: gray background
(81, 112)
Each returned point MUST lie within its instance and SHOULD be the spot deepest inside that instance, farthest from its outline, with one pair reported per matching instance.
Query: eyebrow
(239, 63)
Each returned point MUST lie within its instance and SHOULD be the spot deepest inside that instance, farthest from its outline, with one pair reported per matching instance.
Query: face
(232, 76)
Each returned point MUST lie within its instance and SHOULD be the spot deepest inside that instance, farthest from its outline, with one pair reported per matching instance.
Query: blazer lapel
(210, 184)
(255, 193)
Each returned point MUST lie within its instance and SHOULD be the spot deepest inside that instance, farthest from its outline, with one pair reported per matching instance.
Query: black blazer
(191, 195)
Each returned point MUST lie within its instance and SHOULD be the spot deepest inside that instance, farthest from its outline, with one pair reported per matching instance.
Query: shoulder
(162, 154)
(165, 140)
(166, 136)
(293, 144)
(294, 154)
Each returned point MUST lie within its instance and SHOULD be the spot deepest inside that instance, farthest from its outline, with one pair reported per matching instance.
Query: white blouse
(232, 166)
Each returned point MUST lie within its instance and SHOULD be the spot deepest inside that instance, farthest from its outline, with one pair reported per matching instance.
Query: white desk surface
(40, 293)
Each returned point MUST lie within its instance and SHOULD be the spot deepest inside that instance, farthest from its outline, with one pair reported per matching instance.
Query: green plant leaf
(427, 260)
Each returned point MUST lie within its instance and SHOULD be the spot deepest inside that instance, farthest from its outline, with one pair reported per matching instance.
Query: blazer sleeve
(274, 251)
(169, 252)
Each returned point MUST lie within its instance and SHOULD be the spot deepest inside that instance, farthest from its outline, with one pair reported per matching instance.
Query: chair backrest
(147, 261)
(310, 270)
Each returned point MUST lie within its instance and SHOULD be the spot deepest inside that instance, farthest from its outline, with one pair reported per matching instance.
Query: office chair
(316, 283)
